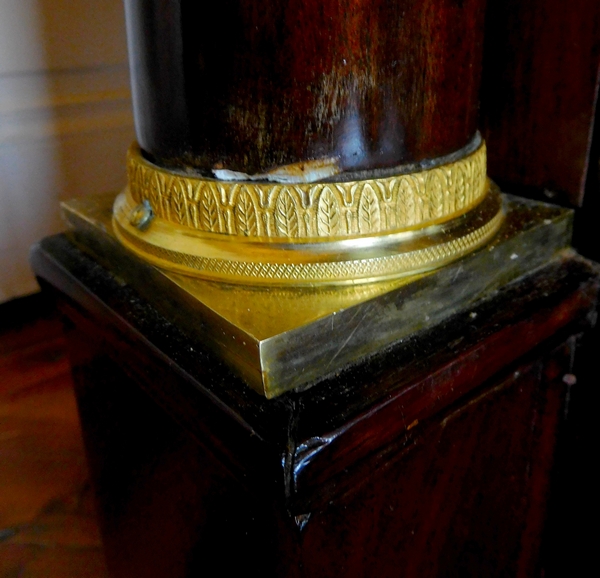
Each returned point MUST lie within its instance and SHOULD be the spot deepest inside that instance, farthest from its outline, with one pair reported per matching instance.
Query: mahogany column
(249, 85)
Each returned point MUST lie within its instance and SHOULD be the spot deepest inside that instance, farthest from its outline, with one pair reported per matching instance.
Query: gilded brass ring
(439, 215)
(323, 209)
(361, 260)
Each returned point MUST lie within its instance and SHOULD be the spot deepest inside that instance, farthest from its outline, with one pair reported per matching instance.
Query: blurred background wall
(65, 118)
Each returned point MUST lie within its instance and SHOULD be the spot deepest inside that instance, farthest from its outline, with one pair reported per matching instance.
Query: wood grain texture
(539, 92)
(250, 85)
(446, 500)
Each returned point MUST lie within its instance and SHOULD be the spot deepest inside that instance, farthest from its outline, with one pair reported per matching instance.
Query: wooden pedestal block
(431, 458)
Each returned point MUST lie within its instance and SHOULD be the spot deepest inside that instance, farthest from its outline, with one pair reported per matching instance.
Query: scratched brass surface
(280, 338)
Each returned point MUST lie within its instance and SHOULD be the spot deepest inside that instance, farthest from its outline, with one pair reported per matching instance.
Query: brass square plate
(278, 339)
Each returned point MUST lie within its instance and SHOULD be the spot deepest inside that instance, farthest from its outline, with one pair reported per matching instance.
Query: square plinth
(408, 462)
(279, 339)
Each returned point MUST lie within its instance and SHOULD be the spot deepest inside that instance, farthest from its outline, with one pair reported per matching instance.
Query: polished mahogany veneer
(250, 85)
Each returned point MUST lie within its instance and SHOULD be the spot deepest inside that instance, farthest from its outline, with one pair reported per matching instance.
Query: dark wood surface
(433, 458)
(539, 91)
(251, 85)
(48, 526)
(462, 496)
(569, 548)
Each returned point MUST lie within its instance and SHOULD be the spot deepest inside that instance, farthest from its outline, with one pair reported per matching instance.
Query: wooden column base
(430, 458)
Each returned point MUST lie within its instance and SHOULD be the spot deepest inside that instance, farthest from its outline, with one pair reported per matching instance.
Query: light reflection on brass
(235, 259)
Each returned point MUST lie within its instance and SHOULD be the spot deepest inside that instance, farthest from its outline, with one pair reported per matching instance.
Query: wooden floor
(47, 521)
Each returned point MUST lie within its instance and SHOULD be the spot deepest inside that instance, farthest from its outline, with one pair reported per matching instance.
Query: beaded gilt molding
(314, 210)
